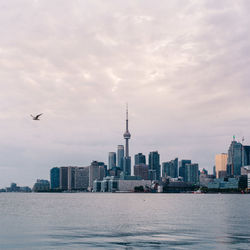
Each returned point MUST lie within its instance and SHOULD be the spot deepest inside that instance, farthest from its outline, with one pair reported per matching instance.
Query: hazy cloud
(181, 65)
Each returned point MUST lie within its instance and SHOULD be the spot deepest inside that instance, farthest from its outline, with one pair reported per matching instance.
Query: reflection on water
(124, 221)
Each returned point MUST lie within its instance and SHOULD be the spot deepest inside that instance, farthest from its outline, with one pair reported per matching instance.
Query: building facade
(120, 156)
(82, 178)
(64, 178)
(71, 178)
(140, 159)
(55, 178)
(141, 170)
(41, 186)
(220, 164)
(182, 166)
(96, 172)
(170, 168)
(234, 162)
(112, 160)
(154, 163)
(191, 173)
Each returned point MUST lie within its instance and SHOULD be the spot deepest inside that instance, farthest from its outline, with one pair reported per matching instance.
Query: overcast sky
(182, 66)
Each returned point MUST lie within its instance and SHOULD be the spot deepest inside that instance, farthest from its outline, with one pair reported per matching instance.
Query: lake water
(124, 221)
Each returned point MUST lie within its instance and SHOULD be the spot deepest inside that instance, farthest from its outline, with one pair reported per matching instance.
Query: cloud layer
(183, 67)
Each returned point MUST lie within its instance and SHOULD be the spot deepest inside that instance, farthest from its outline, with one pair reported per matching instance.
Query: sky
(182, 67)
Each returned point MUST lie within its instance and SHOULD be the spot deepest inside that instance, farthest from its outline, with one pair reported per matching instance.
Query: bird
(36, 118)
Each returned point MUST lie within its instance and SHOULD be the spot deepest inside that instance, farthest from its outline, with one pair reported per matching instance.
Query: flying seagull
(36, 118)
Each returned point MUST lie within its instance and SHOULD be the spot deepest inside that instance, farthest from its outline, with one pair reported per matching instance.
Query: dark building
(214, 170)
(154, 163)
(246, 155)
(41, 186)
(55, 178)
(170, 168)
(243, 182)
(222, 174)
(141, 170)
(114, 172)
(234, 160)
(177, 187)
(152, 174)
(191, 173)
(182, 165)
(112, 160)
(64, 178)
(120, 155)
(140, 159)
(127, 165)
(71, 178)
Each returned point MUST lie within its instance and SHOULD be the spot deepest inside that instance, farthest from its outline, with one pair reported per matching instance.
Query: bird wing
(39, 115)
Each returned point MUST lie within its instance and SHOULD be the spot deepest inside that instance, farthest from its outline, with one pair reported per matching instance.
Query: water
(124, 221)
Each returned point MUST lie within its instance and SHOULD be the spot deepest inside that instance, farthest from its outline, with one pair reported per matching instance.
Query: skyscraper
(246, 155)
(112, 160)
(120, 156)
(154, 163)
(54, 178)
(71, 178)
(64, 178)
(191, 173)
(127, 158)
(170, 168)
(234, 161)
(140, 159)
(141, 170)
(220, 164)
(182, 165)
(96, 172)
(82, 178)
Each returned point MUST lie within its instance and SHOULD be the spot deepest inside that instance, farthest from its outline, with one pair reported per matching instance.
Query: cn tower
(127, 135)
(127, 158)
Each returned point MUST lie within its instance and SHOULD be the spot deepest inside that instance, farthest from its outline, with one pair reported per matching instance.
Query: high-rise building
(64, 178)
(112, 160)
(127, 158)
(120, 156)
(71, 178)
(82, 178)
(182, 165)
(214, 171)
(140, 159)
(170, 168)
(234, 161)
(246, 155)
(55, 178)
(141, 170)
(154, 163)
(220, 163)
(191, 173)
(96, 172)
(41, 186)
(152, 174)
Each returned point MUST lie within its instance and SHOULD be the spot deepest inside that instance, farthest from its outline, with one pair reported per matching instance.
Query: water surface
(124, 221)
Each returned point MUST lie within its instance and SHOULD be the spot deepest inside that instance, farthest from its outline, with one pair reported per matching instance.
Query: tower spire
(127, 136)
(126, 117)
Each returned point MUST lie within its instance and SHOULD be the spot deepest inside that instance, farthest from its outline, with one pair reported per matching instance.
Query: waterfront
(124, 221)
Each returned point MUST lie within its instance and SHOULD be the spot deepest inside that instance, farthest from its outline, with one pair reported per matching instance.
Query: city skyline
(180, 67)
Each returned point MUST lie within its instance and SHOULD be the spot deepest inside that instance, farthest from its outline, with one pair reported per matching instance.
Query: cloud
(183, 68)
